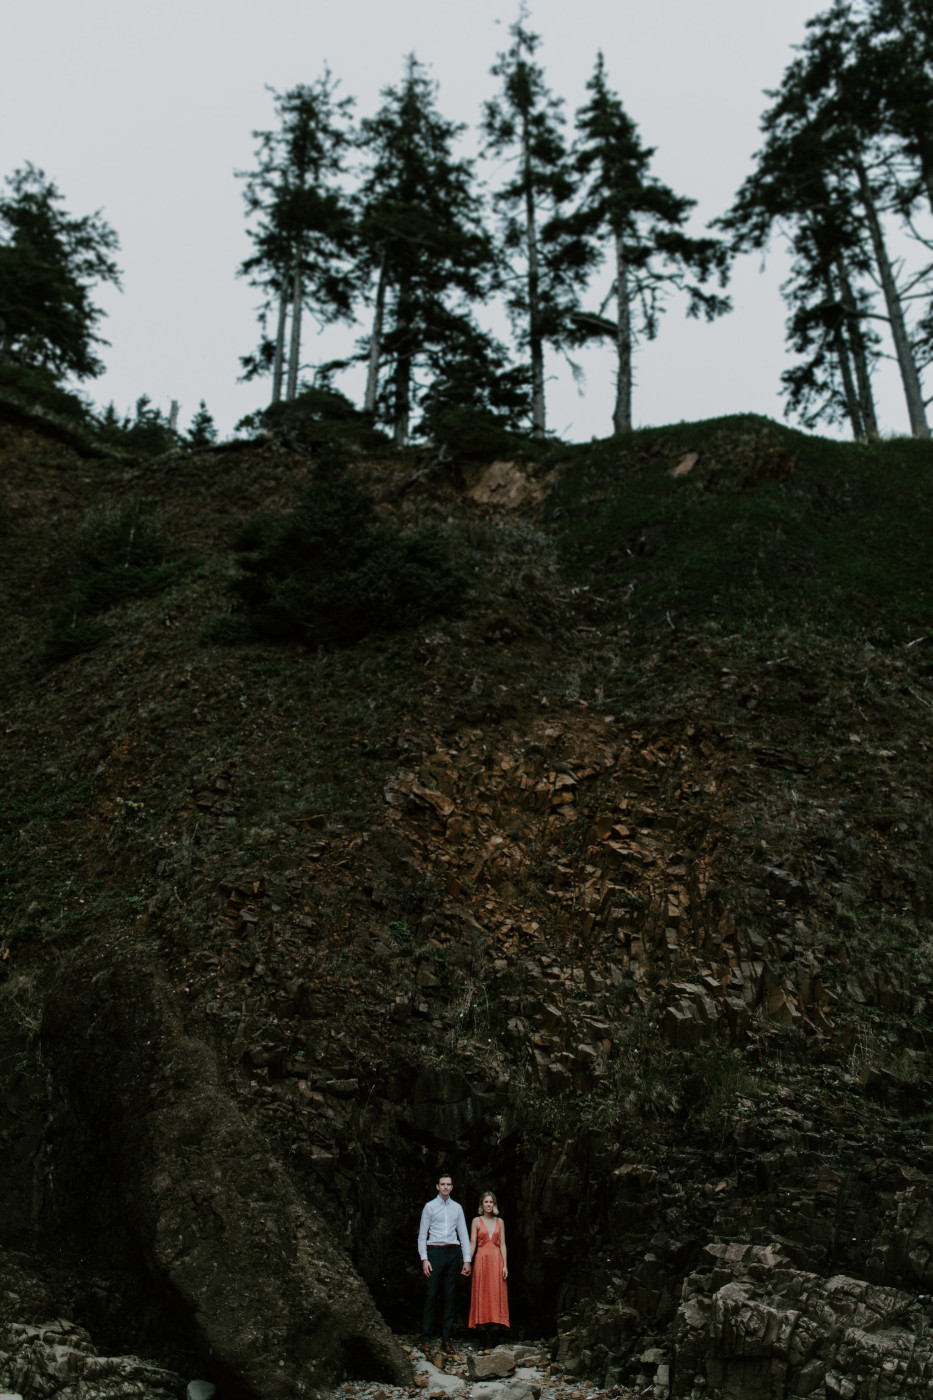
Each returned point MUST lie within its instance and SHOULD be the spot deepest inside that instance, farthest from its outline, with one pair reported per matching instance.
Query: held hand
(465, 1271)
(426, 1268)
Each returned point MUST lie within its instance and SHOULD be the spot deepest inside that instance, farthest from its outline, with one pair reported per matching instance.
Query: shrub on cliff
(118, 555)
(147, 434)
(333, 571)
(317, 419)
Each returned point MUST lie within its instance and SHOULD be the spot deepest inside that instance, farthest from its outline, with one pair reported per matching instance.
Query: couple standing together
(447, 1251)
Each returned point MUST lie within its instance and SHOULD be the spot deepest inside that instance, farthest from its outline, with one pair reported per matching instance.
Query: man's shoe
(447, 1347)
(426, 1346)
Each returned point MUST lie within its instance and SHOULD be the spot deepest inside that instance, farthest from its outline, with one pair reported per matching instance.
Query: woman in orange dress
(489, 1301)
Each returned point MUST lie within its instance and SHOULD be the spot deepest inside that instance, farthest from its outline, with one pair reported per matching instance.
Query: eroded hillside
(610, 891)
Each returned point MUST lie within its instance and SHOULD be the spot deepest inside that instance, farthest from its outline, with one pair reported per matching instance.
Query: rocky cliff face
(751, 1324)
(635, 930)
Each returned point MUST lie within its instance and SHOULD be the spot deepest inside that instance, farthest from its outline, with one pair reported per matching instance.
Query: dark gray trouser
(446, 1266)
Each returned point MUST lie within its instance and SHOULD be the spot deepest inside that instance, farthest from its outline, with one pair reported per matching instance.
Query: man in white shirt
(444, 1247)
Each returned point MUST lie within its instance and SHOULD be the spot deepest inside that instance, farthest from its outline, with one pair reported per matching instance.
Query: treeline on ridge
(383, 221)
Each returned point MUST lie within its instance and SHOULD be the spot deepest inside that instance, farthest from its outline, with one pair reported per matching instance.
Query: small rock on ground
(444, 1382)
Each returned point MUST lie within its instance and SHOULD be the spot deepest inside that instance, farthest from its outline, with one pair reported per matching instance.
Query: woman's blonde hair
(495, 1203)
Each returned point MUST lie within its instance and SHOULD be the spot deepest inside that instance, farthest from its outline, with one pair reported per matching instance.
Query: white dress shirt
(443, 1222)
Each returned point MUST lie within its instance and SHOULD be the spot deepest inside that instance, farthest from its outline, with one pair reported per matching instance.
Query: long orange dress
(489, 1301)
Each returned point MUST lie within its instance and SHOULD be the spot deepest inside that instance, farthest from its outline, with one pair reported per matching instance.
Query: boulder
(490, 1365)
(434, 1378)
(490, 1390)
(518, 1388)
(152, 1156)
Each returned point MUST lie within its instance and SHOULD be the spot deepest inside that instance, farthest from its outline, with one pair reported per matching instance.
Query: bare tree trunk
(294, 353)
(853, 407)
(866, 398)
(622, 415)
(841, 350)
(402, 386)
(535, 340)
(905, 359)
(278, 363)
(401, 378)
(375, 340)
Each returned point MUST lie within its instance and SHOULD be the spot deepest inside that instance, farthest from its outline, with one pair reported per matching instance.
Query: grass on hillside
(118, 554)
(768, 528)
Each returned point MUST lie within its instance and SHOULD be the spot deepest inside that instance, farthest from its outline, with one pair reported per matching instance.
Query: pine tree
(203, 431)
(643, 221)
(547, 260)
(475, 394)
(424, 243)
(894, 63)
(826, 166)
(149, 432)
(50, 262)
(795, 189)
(303, 235)
(828, 328)
(839, 87)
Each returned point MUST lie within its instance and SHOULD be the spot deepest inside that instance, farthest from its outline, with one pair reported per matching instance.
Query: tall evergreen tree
(643, 221)
(829, 330)
(839, 90)
(827, 162)
(830, 301)
(303, 233)
(547, 259)
(894, 64)
(423, 241)
(50, 262)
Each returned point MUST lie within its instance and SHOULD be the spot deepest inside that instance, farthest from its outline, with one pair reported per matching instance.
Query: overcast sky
(145, 111)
